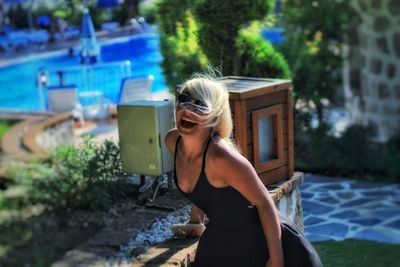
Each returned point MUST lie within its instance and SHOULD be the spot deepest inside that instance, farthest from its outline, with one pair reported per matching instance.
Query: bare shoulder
(170, 139)
(226, 159)
(228, 167)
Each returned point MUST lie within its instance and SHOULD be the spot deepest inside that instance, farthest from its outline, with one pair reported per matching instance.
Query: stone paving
(338, 209)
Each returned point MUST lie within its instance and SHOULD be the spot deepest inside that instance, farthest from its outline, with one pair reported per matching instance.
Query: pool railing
(103, 77)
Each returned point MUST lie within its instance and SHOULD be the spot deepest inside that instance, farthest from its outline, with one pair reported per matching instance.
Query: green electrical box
(142, 126)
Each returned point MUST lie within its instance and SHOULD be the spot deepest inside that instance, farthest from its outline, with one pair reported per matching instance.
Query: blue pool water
(18, 84)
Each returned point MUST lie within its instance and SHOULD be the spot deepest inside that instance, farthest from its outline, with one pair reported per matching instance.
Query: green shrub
(29, 175)
(314, 34)
(259, 58)
(104, 177)
(182, 54)
(85, 177)
(351, 155)
(188, 44)
(220, 22)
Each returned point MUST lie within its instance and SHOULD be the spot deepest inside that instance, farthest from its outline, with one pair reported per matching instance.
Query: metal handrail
(87, 78)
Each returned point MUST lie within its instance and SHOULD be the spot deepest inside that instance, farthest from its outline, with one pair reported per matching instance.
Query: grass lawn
(358, 253)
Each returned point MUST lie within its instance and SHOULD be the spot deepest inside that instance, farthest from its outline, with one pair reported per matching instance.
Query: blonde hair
(215, 95)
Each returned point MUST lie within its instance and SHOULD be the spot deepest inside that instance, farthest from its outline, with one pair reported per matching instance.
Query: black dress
(234, 235)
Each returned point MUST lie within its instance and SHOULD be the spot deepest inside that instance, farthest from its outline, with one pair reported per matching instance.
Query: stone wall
(372, 68)
(290, 205)
(287, 198)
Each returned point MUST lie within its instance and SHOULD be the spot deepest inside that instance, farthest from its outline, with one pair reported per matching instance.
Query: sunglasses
(186, 101)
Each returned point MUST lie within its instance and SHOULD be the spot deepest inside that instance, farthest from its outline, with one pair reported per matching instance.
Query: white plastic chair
(135, 88)
(64, 99)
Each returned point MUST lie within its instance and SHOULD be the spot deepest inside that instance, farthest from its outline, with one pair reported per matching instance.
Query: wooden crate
(256, 102)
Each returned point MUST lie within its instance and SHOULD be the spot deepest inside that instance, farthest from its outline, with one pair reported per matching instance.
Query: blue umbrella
(87, 30)
(43, 20)
(107, 3)
(90, 50)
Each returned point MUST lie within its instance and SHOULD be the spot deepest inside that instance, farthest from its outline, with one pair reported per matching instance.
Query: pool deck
(108, 129)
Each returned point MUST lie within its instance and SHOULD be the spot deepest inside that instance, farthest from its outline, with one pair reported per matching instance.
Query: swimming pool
(18, 81)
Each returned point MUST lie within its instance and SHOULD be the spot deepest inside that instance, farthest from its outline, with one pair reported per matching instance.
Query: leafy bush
(104, 177)
(314, 34)
(178, 42)
(351, 155)
(185, 55)
(259, 58)
(189, 43)
(85, 177)
(220, 22)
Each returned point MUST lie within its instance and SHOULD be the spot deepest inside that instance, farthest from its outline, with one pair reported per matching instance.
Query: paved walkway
(337, 209)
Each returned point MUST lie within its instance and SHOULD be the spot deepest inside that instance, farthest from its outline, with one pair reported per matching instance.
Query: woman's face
(190, 114)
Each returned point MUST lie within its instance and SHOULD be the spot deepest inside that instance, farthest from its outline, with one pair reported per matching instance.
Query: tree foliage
(259, 58)
(198, 33)
(220, 23)
(315, 32)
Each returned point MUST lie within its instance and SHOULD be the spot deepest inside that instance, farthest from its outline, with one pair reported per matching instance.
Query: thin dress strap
(203, 164)
(176, 148)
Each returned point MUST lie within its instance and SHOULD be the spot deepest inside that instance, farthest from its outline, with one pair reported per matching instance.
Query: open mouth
(185, 123)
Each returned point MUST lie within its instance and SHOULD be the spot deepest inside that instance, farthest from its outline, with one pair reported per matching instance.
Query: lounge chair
(18, 39)
(38, 37)
(65, 99)
(110, 25)
(4, 44)
(135, 88)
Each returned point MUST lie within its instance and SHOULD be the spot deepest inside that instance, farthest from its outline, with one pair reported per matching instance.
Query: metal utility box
(142, 126)
(263, 124)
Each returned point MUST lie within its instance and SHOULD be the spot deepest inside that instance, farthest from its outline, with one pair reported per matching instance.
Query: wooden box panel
(250, 97)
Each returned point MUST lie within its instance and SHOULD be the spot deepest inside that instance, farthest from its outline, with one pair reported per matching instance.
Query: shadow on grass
(40, 240)
(358, 253)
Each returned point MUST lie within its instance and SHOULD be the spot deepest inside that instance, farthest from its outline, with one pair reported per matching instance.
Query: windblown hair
(215, 95)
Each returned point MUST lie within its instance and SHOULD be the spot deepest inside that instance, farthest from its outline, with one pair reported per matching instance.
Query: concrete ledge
(279, 190)
(173, 252)
(21, 141)
(11, 141)
(30, 141)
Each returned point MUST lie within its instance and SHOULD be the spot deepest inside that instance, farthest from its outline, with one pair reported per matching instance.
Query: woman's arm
(233, 169)
(196, 215)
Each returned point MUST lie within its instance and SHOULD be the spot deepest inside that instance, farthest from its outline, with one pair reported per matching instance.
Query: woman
(222, 184)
